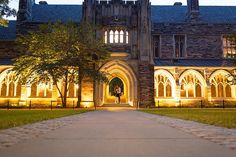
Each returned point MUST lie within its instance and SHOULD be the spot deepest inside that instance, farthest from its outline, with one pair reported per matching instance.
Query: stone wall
(146, 84)
(203, 40)
(8, 49)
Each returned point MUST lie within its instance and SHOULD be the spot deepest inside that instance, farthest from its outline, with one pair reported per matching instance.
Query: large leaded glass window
(229, 44)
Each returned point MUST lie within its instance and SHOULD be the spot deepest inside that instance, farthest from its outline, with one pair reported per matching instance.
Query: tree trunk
(65, 91)
(79, 88)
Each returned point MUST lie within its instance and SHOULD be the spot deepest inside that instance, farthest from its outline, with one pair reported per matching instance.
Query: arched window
(191, 87)
(111, 37)
(213, 90)
(168, 91)
(220, 90)
(127, 37)
(121, 36)
(228, 91)
(116, 36)
(163, 87)
(10, 87)
(3, 90)
(220, 87)
(41, 89)
(161, 90)
(105, 37)
(198, 90)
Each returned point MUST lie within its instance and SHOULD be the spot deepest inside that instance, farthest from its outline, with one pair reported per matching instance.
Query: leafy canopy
(5, 10)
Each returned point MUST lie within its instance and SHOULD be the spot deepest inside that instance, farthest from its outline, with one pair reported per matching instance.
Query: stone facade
(165, 55)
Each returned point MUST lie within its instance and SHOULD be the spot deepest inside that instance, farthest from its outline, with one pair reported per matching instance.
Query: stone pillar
(208, 92)
(177, 94)
(146, 85)
(87, 93)
(24, 95)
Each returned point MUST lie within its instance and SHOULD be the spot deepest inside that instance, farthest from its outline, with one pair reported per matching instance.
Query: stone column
(87, 93)
(146, 85)
(24, 95)
(177, 94)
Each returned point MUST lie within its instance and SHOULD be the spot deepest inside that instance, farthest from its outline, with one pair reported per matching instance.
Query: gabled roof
(195, 62)
(8, 33)
(54, 13)
(208, 14)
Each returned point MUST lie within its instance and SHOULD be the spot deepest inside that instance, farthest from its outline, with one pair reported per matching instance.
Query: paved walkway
(116, 134)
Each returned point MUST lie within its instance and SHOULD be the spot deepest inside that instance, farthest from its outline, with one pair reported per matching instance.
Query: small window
(111, 37)
(105, 37)
(127, 37)
(156, 46)
(121, 36)
(179, 46)
(116, 36)
(229, 43)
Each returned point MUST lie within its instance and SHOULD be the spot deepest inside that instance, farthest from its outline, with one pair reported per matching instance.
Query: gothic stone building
(160, 54)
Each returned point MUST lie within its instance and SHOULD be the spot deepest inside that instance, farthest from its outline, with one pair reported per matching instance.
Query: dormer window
(116, 37)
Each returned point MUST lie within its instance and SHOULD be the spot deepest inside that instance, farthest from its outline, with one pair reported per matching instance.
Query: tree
(5, 10)
(58, 52)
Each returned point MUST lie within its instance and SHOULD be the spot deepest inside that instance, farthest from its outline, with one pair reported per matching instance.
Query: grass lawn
(12, 118)
(219, 117)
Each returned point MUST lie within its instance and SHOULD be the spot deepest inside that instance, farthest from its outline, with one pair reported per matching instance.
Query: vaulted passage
(119, 73)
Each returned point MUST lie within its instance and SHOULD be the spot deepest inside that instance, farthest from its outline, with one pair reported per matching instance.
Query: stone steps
(115, 105)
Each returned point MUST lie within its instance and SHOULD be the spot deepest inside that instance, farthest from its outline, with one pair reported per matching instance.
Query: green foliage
(115, 82)
(13, 118)
(218, 117)
(5, 10)
(58, 52)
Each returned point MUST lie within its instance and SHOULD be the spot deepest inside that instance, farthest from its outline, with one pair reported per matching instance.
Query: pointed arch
(164, 79)
(219, 83)
(123, 71)
(192, 84)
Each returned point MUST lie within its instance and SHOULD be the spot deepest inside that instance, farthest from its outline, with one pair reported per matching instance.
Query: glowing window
(127, 37)
(164, 88)
(191, 86)
(121, 36)
(111, 37)
(105, 37)
(220, 87)
(229, 47)
(116, 36)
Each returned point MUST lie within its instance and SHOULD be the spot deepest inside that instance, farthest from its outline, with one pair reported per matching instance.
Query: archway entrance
(117, 82)
(121, 74)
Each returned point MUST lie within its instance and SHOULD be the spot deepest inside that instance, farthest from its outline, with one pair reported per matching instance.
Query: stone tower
(25, 10)
(133, 19)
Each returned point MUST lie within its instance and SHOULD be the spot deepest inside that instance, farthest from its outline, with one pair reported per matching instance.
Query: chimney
(177, 4)
(193, 10)
(43, 2)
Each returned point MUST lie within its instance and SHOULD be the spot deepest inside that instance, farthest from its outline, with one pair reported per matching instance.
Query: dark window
(156, 46)
(229, 47)
(179, 46)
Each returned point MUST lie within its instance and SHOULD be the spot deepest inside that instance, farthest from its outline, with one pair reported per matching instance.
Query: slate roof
(53, 13)
(6, 61)
(208, 14)
(196, 62)
(8, 33)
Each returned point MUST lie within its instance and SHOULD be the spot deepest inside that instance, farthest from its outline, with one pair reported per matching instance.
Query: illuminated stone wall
(192, 85)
